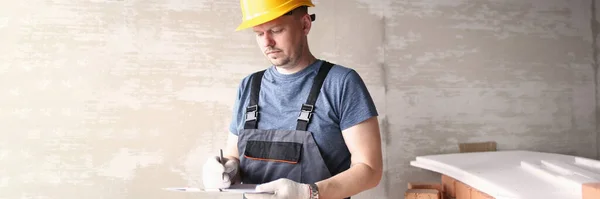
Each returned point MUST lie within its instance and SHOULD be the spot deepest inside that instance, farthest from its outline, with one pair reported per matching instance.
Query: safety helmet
(256, 12)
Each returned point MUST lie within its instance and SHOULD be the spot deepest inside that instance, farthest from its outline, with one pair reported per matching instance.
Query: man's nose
(268, 40)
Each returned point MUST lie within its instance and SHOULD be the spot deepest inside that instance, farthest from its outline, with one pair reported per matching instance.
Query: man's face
(280, 40)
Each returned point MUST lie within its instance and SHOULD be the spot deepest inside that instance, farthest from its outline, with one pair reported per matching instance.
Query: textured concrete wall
(595, 26)
(118, 98)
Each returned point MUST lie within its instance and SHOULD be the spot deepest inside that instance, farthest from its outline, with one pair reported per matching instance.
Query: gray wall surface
(595, 26)
(118, 98)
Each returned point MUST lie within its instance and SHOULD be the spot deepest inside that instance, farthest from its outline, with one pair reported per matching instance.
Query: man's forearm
(358, 178)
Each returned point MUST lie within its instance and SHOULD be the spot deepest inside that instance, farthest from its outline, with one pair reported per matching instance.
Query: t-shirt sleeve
(238, 107)
(356, 103)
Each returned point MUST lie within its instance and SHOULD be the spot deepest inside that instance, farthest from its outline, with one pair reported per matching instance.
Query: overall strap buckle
(251, 113)
(306, 112)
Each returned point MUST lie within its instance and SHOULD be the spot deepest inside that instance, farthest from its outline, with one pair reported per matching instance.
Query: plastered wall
(595, 26)
(119, 98)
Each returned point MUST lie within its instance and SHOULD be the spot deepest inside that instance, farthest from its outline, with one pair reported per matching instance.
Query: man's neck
(301, 64)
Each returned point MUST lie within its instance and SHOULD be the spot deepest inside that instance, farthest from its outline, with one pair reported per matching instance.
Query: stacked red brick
(450, 188)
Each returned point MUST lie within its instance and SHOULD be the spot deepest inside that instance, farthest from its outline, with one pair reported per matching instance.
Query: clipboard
(236, 188)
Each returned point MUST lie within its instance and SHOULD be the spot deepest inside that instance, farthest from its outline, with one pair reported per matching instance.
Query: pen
(221, 160)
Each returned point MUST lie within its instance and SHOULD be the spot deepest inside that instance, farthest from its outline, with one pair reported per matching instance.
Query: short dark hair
(301, 10)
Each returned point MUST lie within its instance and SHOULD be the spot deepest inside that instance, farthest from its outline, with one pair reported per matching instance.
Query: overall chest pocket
(286, 152)
(265, 161)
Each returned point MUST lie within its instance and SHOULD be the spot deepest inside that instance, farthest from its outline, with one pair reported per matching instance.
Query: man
(303, 128)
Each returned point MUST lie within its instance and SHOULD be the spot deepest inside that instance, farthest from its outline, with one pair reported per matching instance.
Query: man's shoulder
(246, 79)
(342, 73)
(340, 69)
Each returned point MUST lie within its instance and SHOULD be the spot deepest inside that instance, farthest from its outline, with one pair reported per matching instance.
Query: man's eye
(277, 30)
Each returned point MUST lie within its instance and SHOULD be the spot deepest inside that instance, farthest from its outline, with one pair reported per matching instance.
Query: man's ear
(306, 24)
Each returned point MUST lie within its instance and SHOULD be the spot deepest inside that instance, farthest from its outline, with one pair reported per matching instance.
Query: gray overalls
(267, 155)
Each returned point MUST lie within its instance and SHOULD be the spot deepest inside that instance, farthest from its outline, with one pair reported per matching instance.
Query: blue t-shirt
(343, 102)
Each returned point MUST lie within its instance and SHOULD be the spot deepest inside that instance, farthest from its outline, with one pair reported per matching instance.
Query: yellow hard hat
(256, 12)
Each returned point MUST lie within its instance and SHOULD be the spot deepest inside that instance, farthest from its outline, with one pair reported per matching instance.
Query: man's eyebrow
(268, 29)
(276, 26)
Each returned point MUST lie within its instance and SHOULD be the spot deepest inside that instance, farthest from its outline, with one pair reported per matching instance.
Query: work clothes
(289, 126)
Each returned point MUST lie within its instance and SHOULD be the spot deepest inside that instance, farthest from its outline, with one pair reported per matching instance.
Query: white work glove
(281, 189)
(216, 175)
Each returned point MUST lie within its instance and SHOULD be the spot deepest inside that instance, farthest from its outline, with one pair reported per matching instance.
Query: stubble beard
(281, 62)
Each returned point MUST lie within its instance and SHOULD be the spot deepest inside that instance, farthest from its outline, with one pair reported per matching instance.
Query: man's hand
(282, 189)
(218, 175)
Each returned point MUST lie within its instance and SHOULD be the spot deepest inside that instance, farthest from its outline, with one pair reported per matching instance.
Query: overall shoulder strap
(251, 120)
(308, 107)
